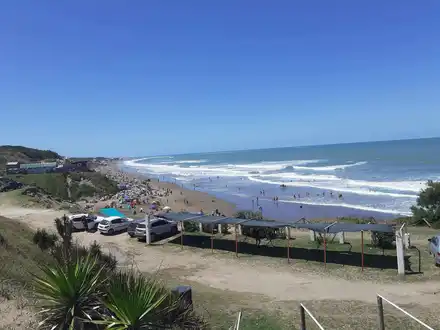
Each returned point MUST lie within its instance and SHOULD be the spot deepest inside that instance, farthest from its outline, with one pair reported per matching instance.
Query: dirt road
(226, 273)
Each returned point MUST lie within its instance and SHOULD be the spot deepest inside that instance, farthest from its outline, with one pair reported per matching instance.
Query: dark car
(133, 225)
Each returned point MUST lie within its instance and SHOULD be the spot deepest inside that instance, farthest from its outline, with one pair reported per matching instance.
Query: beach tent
(111, 212)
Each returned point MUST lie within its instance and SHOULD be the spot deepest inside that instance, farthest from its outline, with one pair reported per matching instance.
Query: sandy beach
(147, 190)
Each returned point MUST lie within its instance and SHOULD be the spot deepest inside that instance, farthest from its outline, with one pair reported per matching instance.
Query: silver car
(113, 225)
(78, 221)
(434, 248)
(159, 227)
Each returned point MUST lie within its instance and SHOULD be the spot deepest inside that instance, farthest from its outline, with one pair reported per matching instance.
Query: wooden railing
(303, 310)
(381, 320)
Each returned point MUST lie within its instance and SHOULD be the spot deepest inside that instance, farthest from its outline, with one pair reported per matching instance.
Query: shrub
(191, 226)
(428, 204)
(249, 215)
(44, 240)
(356, 220)
(382, 240)
(3, 241)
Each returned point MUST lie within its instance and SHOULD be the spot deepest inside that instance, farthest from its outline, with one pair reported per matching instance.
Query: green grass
(24, 154)
(55, 184)
(100, 185)
(221, 308)
(19, 256)
(419, 236)
(52, 183)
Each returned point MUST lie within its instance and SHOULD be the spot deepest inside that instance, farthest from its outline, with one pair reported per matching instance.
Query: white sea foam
(328, 168)
(268, 173)
(135, 162)
(358, 207)
(337, 188)
(193, 161)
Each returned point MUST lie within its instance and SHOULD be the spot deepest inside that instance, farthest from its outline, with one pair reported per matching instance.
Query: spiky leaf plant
(69, 292)
(137, 302)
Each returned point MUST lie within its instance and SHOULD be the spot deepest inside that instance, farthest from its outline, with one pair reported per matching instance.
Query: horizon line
(286, 147)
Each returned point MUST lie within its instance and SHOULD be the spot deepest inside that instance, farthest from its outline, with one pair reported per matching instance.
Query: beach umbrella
(167, 208)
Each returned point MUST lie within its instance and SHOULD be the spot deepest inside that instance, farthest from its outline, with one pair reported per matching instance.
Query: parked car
(159, 227)
(113, 225)
(434, 248)
(131, 230)
(78, 221)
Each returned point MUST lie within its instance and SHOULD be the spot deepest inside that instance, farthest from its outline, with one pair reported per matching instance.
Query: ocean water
(380, 179)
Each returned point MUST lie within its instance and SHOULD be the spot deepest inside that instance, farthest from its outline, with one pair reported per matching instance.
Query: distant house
(73, 166)
(12, 168)
(80, 165)
(31, 168)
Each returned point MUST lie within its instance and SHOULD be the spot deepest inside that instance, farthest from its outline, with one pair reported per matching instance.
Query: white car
(113, 225)
(78, 221)
(159, 227)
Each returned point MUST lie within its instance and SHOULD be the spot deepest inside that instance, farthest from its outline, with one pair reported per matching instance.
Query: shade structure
(208, 219)
(111, 212)
(232, 221)
(180, 216)
(342, 227)
(323, 228)
(318, 227)
(263, 223)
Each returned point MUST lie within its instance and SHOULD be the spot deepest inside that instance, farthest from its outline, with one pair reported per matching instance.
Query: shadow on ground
(333, 257)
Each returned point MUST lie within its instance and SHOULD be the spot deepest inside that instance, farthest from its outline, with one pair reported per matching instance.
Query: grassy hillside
(85, 184)
(52, 183)
(24, 154)
(19, 257)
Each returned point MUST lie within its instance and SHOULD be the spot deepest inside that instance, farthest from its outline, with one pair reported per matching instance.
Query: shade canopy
(111, 212)
(264, 223)
(317, 227)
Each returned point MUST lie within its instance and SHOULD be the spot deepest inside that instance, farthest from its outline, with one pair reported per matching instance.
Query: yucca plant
(64, 228)
(137, 302)
(70, 292)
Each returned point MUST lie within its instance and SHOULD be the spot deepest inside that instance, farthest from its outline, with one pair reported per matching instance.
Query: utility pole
(147, 231)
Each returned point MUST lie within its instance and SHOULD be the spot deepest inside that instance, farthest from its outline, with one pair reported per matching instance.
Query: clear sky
(142, 77)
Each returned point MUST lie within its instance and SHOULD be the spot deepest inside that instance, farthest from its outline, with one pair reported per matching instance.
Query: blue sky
(149, 77)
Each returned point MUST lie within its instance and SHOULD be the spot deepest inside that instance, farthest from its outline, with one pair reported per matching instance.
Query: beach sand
(177, 198)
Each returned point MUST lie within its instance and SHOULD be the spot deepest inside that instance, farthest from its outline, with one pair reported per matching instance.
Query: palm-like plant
(64, 228)
(137, 302)
(69, 292)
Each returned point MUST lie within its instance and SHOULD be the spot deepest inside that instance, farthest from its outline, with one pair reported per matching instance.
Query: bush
(382, 240)
(44, 240)
(249, 215)
(356, 220)
(428, 204)
(191, 226)
(3, 241)
(105, 260)
(257, 232)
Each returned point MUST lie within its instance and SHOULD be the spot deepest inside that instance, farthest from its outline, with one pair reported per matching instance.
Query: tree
(428, 204)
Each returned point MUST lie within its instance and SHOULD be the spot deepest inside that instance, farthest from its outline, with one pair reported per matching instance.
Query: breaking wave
(351, 206)
(293, 173)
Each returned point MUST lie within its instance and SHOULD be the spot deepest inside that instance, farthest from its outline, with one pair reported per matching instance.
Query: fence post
(303, 317)
(380, 313)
